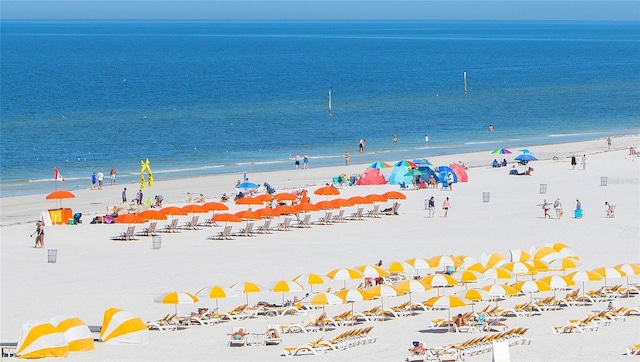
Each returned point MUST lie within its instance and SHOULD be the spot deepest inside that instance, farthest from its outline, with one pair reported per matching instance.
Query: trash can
(486, 196)
(157, 242)
(52, 255)
(543, 188)
(426, 204)
(604, 180)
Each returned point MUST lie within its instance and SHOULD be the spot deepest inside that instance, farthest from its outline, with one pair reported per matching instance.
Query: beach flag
(148, 165)
(57, 176)
(142, 180)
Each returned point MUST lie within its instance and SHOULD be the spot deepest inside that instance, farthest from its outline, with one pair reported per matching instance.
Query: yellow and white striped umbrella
(400, 267)
(493, 260)
(564, 264)
(628, 269)
(447, 301)
(345, 274)
(531, 286)
(310, 279)
(419, 263)
(474, 294)
(442, 261)
(557, 281)
(467, 276)
(546, 254)
(497, 274)
(411, 286)
(372, 271)
(519, 255)
(354, 295)
(246, 288)
(176, 298)
(285, 286)
(565, 250)
(216, 292)
(439, 281)
(383, 290)
(584, 276)
(325, 299)
(610, 273)
(499, 291)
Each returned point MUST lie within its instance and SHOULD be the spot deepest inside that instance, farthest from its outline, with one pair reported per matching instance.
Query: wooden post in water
(465, 82)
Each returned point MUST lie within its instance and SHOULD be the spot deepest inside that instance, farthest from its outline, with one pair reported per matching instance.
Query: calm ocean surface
(203, 98)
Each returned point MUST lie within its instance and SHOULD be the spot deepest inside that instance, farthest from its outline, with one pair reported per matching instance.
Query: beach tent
(398, 176)
(444, 171)
(120, 326)
(75, 331)
(428, 171)
(371, 176)
(41, 340)
(460, 172)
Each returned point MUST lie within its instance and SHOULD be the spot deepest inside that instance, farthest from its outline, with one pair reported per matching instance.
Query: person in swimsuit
(39, 235)
(445, 206)
(305, 160)
(346, 157)
(297, 161)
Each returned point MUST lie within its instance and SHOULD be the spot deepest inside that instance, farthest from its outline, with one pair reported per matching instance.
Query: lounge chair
(246, 231)
(394, 209)
(284, 226)
(375, 212)
(225, 234)
(304, 223)
(356, 215)
(150, 231)
(126, 235)
(165, 324)
(264, 229)
(326, 219)
(272, 335)
(313, 347)
(208, 223)
(633, 350)
(307, 326)
(170, 228)
(238, 313)
(339, 217)
(190, 225)
(238, 337)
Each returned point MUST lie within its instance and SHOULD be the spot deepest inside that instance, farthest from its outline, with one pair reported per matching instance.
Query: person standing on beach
(426, 138)
(573, 162)
(609, 143)
(445, 206)
(94, 179)
(112, 176)
(346, 157)
(583, 162)
(297, 161)
(100, 178)
(139, 197)
(557, 205)
(305, 160)
(432, 207)
(39, 235)
(490, 128)
(124, 195)
(545, 208)
(395, 138)
(361, 145)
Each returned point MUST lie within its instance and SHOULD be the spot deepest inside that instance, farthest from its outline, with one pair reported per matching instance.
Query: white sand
(94, 273)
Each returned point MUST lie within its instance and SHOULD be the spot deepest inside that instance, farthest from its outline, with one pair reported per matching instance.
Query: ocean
(200, 98)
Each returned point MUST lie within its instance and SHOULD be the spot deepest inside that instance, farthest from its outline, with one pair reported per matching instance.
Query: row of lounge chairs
(592, 322)
(348, 339)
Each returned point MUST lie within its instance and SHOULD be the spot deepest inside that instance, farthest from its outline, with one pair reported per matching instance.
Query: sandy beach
(93, 273)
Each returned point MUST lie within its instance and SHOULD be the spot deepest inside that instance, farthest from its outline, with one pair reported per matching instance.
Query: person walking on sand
(557, 205)
(139, 197)
(432, 207)
(305, 161)
(346, 157)
(100, 178)
(94, 179)
(445, 206)
(297, 161)
(124, 195)
(583, 162)
(545, 208)
(609, 143)
(112, 176)
(573, 162)
(39, 234)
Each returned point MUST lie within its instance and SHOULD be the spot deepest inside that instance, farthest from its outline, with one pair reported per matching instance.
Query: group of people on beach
(97, 179)
(431, 206)
(305, 161)
(583, 162)
(557, 207)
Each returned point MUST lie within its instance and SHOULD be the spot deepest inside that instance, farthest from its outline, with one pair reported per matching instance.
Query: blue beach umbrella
(247, 185)
(526, 157)
(525, 150)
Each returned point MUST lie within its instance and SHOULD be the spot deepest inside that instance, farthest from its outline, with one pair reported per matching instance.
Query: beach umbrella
(326, 205)
(461, 172)
(216, 292)
(519, 255)
(247, 186)
(305, 207)
(394, 195)
(285, 286)
(226, 217)
(327, 191)
(214, 206)
(173, 210)
(473, 295)
(354, 295)
(383, 290)
(400, 267)
(546, 254)
(129, 219)
(565, 250)
(345, 274)
(75, 331)
(609, 273)
(422, 162)
(493, 260)
(379, 165)
(285, 196)
(405, 163)
(246, 288)
(499, 291)
(152, 214)
(584, 276)
(519, 268)
(310, 279)
(248, 215)
(447, 301)
(414, 172)
(501, 151)
(375, 198)
(359, 200)
(325, 299)
(467, 276)
(263, 197)
(41, 340)
(525, 151)
(439, 281)
(267, 212)
(286, 210)
(193, 209)
(411, 286)
(497, 274)
(59, 195)
(247, 200)
(123, 327)
(557, 282)
(443, 261)
(531, 286)
(371, 271)
(564, 264)
(418, 263)
(628, 269)
(176, 298)
(526, 157)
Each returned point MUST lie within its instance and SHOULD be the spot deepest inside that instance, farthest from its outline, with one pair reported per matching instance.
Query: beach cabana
(41, 340)
(460, 172)
(371, 176)
(119, 326)
(444, 171)
(75, 331)
(398, 176)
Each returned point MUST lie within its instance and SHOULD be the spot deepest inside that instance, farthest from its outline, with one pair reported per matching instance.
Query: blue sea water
(200, 98)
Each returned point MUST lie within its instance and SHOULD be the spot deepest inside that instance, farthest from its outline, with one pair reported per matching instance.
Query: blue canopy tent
(443, 172)
(398, 176)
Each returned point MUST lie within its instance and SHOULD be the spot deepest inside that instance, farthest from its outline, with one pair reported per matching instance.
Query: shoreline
(175, 190)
